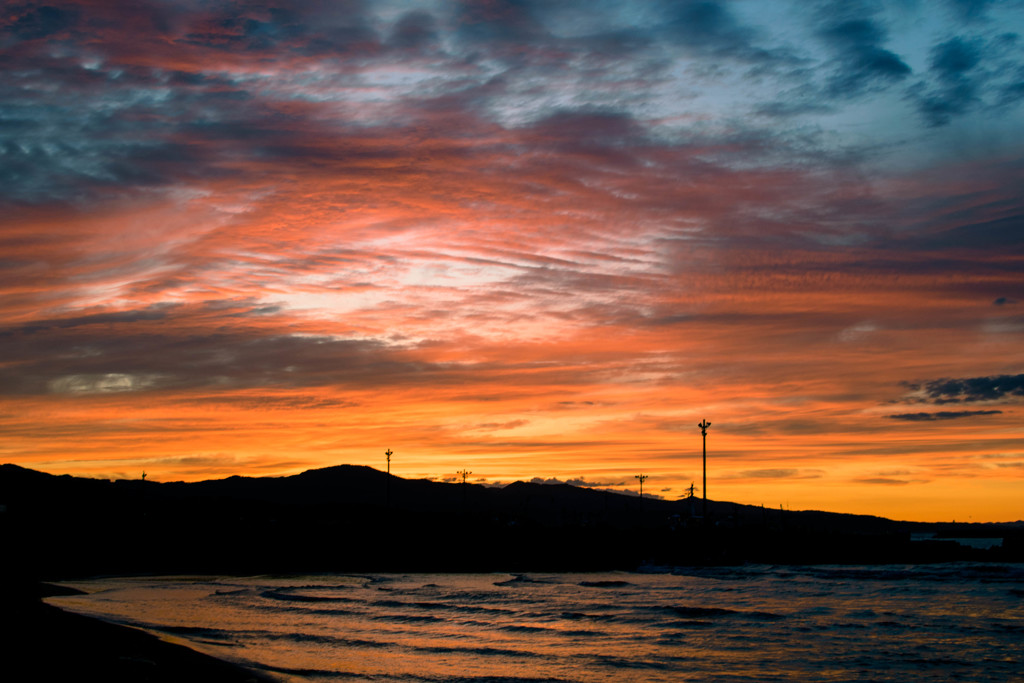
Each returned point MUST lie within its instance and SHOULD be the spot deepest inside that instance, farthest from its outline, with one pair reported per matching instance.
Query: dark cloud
(28, 22)
(1004, 301)
(862, 63)
(972, 389)
(499, 21)
(153, 350)
(955, 91)
(709, 27)
(883, 481)
(933, 417)
(73, 133)
(158, 312)
(416, 30)
(782, 109)
(335, 28)
(955, 57)
(971, 10)
(967, 73)
(1001, 233)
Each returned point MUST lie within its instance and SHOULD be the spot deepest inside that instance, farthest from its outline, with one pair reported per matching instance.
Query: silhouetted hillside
(349, 518)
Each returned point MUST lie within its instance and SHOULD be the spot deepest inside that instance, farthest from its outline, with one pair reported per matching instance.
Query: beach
(926, 623)
(49, 644)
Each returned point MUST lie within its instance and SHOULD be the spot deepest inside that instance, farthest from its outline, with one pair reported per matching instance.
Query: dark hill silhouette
(338, 519)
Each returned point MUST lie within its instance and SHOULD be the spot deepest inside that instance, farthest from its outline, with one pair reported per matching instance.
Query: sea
(943, 622)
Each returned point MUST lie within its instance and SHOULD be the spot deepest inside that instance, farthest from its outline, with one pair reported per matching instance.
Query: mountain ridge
(353, 517)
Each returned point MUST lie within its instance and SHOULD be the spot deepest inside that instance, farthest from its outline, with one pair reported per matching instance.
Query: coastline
(48, 643)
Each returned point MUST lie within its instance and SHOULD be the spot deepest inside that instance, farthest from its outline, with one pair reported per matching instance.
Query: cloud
(328, 219)
(415, 31)
(776, 473)
(575, 481)
(499, 426)
(862, 63)
(710, 28)
(945, 415)
(170, 348)
(31, 23)
(972, 10)
(967, 73)
(307, 28)
(883, 481)
(956, 91)
(969, 390)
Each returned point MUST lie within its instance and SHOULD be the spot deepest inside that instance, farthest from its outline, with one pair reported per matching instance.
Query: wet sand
(49, 644)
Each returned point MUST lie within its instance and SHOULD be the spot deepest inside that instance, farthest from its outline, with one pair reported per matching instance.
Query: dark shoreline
(51, 644)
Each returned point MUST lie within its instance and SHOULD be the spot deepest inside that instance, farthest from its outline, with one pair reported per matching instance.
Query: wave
(523, 579)
(605, 584)
(285, 595)
(407, 618)
(520, 628)
(484, 651)
(712, 612)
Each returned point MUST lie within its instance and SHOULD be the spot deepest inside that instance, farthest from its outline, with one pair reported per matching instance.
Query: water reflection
(749, 623)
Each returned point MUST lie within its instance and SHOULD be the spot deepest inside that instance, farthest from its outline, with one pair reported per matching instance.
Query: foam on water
(907, 623)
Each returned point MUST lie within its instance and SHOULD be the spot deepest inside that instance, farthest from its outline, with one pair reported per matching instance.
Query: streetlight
(641, 477)
(464, 473)
(388, 453)
(704, 424)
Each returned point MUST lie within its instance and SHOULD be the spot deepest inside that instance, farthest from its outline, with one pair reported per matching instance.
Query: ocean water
(955, 622)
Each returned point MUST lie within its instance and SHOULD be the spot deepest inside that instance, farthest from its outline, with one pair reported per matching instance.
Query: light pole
(641, 477)
(464, 473)
(388, 453)
(704, 424)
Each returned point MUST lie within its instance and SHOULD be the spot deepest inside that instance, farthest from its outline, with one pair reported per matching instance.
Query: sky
(529, 240)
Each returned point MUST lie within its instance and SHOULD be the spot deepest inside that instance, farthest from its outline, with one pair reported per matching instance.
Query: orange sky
(515, 242)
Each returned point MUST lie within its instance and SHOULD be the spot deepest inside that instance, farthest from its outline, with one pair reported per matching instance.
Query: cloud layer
(534, 239)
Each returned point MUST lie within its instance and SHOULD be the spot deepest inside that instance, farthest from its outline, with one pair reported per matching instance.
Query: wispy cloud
(969, 390)
(943, 415)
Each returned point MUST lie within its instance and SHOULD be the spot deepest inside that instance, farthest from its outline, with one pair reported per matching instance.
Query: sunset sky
(527, 239)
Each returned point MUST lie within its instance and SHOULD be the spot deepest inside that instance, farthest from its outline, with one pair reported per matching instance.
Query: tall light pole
(641, 477)
(704, 424)
(464, 473)
(388, 453)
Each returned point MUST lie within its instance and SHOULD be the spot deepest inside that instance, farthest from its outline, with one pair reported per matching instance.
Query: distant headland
(354, 518)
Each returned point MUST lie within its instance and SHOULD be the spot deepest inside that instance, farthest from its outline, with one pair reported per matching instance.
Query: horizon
(510, 238)
(537, 481)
